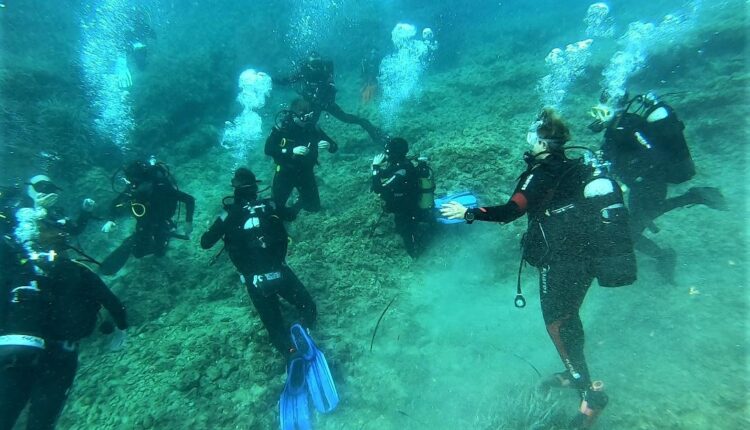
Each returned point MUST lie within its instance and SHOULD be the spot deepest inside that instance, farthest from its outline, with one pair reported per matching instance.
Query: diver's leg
(709, 196)
(162, 232)
(49, 395)
(295, 293)
(117, 259)
(143, 239)
(406, 228)
(281, 189)
(646, 203)
(338, 113)
(269, 311)
(563, 287)
(309, 195)
(15, 390)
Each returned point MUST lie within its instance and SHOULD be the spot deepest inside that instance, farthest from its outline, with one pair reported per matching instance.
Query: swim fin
(320, 383)
(294, 412)
(466, 198)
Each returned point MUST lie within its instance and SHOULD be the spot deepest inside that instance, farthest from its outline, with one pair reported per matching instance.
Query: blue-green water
(452, 352)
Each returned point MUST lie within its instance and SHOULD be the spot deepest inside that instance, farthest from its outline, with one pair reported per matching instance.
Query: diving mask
(601, 113)
(532, 137)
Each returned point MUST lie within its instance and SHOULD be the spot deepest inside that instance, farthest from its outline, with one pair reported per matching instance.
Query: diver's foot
(592, 405)
(709, 196)
(666, 265)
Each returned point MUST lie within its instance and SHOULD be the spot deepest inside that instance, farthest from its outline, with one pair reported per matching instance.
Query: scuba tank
(426, 184)
(612, 246)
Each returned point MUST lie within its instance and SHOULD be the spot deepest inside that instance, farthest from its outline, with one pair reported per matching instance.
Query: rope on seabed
(374, 332)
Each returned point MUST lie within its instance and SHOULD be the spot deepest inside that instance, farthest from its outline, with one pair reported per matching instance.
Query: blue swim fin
(466, 198)
(320, 383)
(294, 411)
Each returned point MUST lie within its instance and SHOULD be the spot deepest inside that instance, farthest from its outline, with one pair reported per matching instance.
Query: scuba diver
(294, 144)
(137, 37)
(48, 304)
(648, 152)
(577, 231)
(314, 80)
(153, 198)
(135, 46)
(370, 69)
(256, 241)
(407, 192)
(44, 194)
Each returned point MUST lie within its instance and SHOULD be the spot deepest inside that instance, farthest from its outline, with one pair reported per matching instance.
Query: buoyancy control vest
(588, 220)
(666, 131)
(256, 240)
(649, 142)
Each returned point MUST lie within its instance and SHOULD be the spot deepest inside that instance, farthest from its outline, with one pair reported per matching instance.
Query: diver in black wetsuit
(315, 84)
(396, 181)
(546, 191)
(294, 145)
(153, 198)
(648, 152)
(256, 241)
(48, 303)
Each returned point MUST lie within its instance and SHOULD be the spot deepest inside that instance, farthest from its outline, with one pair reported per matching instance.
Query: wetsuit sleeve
(287, 80)
(106, 298)
(116, 208)
(530, 191)
(214, 233)
(274, 148)
(189, 204)
(333, 147)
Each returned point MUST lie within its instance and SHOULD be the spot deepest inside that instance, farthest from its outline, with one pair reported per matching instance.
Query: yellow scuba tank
(426, 184)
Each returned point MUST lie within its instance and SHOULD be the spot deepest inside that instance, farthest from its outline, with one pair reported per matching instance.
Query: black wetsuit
(316, 85)
(153, 203)
(398, 186)
(73, 227)
(296, 171)
(566, 271)
(647, 157)
(72, 296)
(256, 241)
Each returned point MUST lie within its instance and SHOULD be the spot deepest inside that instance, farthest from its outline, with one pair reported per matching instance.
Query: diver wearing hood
(256, 241)
(314, 79)
(553, 192)
(644, 140)
(294, 144)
